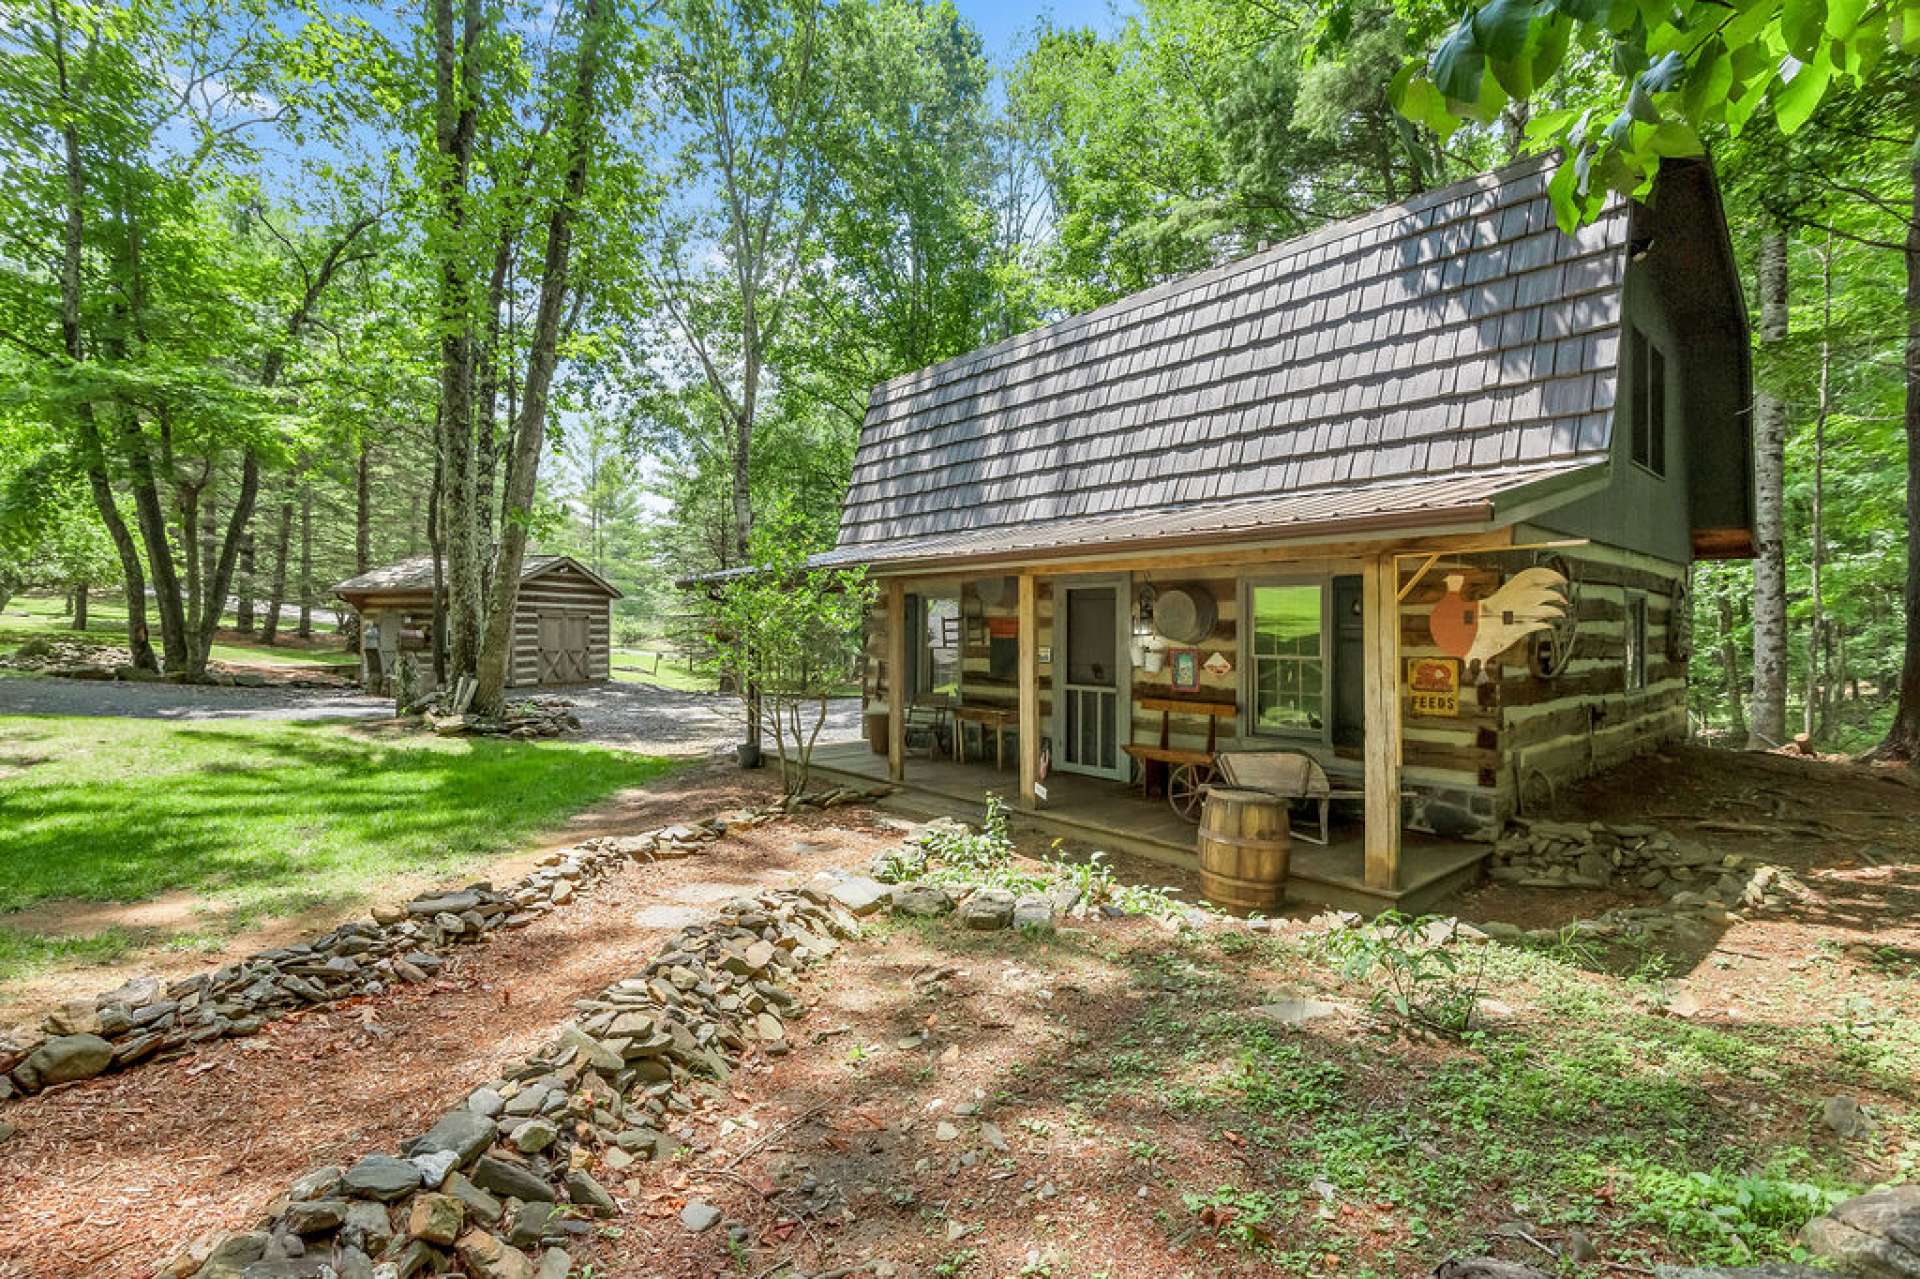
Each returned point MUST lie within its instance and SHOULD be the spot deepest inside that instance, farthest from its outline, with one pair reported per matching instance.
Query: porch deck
(1114, 817)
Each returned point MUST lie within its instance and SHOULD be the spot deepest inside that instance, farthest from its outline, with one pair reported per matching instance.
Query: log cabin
(562, 623)
(1415, 494)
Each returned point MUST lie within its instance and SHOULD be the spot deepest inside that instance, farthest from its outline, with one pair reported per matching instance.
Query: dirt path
(109, 1178)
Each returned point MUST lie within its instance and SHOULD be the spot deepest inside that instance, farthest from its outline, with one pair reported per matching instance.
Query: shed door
(563, 648)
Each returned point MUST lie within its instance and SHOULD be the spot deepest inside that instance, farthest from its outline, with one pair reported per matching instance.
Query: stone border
(146, 1019)
(513, 1168)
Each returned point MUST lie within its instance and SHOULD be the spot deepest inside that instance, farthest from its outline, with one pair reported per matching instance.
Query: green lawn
(639, 666)
(261, 819)
(27, 617)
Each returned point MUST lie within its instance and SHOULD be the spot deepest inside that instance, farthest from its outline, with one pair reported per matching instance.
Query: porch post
(1029, 680)
(896, 679)
(1380, 606)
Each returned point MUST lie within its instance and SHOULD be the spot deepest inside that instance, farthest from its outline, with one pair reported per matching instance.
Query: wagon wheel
(1186, 786)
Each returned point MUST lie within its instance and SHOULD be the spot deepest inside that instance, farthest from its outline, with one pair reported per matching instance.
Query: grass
(261, 819)
(32, 617)
(636, 665)
(1585, 1110)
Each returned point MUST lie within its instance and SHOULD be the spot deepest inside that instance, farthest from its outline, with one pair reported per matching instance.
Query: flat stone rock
(585, 1192)
(63, 1059)
(510, 1180)
(988, 910)
(923, 901)
(464, 1133)
(1875, 1235)
(857, 893)
(1033, 914)
(444, 904)
(381, 1177)
(1296, 1011)
(699, 1217)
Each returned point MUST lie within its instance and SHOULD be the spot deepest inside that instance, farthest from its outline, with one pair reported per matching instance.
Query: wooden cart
(1286, 775)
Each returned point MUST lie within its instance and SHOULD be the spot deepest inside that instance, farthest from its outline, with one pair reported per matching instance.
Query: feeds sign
(1433, 685)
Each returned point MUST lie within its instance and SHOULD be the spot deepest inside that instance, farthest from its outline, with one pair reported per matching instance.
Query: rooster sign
(1477, 631)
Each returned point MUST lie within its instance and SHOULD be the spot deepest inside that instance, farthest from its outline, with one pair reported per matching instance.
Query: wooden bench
(1188, 771)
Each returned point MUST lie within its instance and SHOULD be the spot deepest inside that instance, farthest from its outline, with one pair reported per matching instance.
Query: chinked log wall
(560, 590)
(1515, 724)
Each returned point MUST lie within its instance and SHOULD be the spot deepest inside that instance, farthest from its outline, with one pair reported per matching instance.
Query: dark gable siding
(1457, 334)
(1681, 291)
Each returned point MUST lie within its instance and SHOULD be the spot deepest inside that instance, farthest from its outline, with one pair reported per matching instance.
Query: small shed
(562, 629)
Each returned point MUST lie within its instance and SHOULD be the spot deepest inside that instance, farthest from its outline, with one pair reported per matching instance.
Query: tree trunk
(363, 511)
(1903, 735)
(277, 593)
(80, 606)
(243, 605)
(530, 422)
(1768, 711)
(454, 122)
(306, 562)
(1815, 719)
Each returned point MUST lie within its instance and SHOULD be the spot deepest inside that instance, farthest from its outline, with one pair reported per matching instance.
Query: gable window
(1636, 642)
(1647, 403)
(1287, 658)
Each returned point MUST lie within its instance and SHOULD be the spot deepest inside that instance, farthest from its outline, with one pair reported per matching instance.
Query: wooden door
(563, 648)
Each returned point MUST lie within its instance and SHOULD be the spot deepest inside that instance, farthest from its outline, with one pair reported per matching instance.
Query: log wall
(1518, 737)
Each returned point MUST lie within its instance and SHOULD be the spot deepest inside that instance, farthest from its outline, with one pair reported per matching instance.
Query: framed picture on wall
(1185, 664)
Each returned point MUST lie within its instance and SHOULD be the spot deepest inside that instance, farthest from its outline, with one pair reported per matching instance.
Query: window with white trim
(1286, 654)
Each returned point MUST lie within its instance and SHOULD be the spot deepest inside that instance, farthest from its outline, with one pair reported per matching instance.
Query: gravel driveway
(28, 695)
(660, 721)
(636, 717)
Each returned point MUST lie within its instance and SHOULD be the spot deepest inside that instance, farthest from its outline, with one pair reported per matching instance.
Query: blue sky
(1002, 23)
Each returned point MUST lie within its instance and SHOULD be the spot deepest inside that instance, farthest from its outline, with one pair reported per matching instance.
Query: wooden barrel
(1244, 848)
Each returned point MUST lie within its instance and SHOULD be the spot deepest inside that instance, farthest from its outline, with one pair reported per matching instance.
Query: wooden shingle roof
(415, 574)
(1456, 337)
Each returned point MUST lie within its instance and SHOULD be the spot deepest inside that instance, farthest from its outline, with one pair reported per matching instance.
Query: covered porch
(1113, 816)
(1039, 669)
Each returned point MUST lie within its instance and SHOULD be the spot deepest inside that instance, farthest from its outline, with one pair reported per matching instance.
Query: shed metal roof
(1457, 336)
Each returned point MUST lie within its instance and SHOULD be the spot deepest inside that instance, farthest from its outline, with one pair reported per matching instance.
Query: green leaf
(1906, 28)
(1843, 16)
(1803, 85)
(1707, 83)
(1561, 192)
(1666, 75)
(1551, 48)
(1673, 139)
(1589, 12)
(1458, 65)
(1640, 104)
(1801, 22)
(1501, 28)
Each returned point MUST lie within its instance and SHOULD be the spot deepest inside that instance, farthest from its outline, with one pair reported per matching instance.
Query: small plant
(1244, 1216)
(955, 1262)
(1424, 981)
(406, 684)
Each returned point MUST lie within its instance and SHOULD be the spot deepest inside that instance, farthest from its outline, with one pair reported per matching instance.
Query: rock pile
(497, 1188)
(536, 717)
(147, 1018)
(1701, 887)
